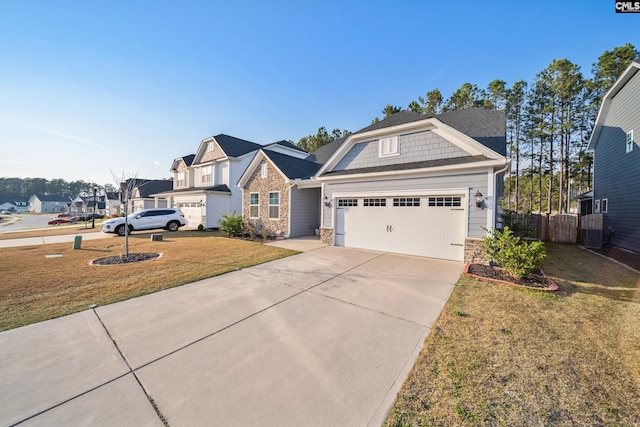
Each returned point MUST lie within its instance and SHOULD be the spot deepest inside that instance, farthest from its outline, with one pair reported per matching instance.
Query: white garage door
(432, 226)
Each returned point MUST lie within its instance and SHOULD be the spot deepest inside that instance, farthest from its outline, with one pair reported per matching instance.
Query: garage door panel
(423, 226)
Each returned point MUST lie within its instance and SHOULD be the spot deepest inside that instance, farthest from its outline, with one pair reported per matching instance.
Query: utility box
(77, 242)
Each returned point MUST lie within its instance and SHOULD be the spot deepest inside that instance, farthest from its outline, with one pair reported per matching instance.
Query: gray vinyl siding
(616, 172)
(474, 181)
(415, 147)
(305, 211)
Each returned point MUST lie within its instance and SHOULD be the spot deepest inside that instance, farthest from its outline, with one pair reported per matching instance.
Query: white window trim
(210, 146)
(629, 143)
(604, 205)
(388, 147)
(202, 174)
(278, 205)
(263, 170)
(251, 205)
(596, 208)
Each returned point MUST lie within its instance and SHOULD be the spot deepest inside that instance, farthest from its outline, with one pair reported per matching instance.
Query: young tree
(126, 186)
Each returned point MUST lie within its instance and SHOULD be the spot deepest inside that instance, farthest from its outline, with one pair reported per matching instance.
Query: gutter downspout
(495, 199)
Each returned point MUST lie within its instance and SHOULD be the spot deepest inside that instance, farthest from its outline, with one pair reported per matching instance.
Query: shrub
(231, 224)
(265, 233)
(517, 257)
(249, 229)
(515, 222)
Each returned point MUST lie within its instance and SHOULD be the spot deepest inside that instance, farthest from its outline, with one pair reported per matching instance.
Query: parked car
(146, 219)
(59, 221)
(85, 217)
(64, 215)
(5, 212)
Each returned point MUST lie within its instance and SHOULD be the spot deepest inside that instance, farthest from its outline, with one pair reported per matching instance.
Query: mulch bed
(537, 280)
(117, 260)
(632, 259)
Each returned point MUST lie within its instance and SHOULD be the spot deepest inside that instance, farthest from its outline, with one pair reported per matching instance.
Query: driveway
(323, 338)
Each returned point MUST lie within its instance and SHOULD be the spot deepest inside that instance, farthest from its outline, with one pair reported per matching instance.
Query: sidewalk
(62, 238)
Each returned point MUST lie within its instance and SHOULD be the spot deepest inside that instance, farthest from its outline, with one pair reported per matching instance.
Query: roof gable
(230, 146)
(475, 131)
(627, 75)
(147, 187)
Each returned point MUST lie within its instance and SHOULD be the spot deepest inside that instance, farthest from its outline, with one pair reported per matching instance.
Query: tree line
(24, 188)
(549, 122)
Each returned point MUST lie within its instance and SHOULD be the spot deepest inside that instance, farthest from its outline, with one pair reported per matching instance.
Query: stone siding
(326, 235)
(263, 186)
(473, 252)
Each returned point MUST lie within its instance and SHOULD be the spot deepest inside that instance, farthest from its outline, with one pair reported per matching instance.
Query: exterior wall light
(327, 202)
(478, 197)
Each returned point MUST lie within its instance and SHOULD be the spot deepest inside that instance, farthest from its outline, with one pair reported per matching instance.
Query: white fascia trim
(491, 199)
(465, 142)
(250, 169)
(418, 125)
(449, 133)
(465, 167)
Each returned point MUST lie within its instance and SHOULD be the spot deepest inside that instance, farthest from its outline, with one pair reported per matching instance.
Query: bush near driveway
(35, 288)
(506, 356)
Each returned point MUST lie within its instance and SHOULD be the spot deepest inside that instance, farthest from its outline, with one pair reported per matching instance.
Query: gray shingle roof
(292, 167)
(286, 144)
(414, 165)
(235, 147)
(485, 126)
(147, 187)
(322, 154)
(188, 159)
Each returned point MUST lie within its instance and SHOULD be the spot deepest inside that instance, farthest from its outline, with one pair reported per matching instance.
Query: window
(274, 205)
(406, 201)
(209, 146)
(254, 203)
(597, 207)
(180, 180)
(347, 202)
(263, 170)
(630, 141)
(603, 205)
(388, 146)
(207, 175)
(374, 202)
(445, 201)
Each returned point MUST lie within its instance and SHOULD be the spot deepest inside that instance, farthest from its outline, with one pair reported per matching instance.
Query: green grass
(529, 358)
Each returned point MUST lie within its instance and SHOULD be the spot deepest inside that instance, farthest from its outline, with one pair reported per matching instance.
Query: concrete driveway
(324, 338)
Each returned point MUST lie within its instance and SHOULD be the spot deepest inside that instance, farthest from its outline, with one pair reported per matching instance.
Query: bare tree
(126, 184)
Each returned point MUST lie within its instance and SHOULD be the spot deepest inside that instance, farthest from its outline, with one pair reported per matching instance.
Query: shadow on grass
(579, 271)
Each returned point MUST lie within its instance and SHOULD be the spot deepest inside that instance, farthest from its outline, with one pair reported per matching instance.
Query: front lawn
(35, 287)
(502, 356)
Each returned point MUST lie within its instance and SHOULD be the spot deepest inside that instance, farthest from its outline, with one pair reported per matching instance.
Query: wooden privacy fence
(560, 228)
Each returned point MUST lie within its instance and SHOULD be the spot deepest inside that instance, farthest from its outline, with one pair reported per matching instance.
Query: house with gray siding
(616, 153)
(411, 184)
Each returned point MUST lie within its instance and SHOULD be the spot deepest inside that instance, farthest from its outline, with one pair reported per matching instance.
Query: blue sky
(91, 88)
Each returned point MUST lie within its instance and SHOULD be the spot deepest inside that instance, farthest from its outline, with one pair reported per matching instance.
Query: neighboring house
(410, 184)
(204, 183)
(616, 156)
(113, 207)
(13, 205)
(42, 203)
(143, 193)
(273, 198)
(85, 205)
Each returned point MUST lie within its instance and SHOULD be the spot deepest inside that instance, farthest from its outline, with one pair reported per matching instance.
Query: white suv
(146, 219)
